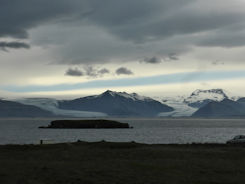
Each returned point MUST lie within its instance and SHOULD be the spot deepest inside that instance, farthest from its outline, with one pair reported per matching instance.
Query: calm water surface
(25, 131)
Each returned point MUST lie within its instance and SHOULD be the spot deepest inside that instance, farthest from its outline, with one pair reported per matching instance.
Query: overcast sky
(153, 47)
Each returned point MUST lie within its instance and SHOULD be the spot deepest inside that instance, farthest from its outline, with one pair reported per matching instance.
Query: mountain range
(200, 103)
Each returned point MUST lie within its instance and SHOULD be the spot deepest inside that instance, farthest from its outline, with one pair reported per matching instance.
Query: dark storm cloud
(93, 72)
(157, 60)
(74, 72)
(116, 30)
(103, 71)
(124, 71)
(88, 71)
(144, 20)
(13, 45)
(17, 17)
(138, 20)
(152, 60)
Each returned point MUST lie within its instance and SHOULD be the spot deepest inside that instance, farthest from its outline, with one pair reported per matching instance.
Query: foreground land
(122, 163)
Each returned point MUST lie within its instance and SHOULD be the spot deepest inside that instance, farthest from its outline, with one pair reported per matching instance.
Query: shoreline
(127, 142)
(123, 118)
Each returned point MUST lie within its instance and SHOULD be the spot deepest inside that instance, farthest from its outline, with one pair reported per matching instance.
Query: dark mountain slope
(117, 104)
(15, 109)
(225, 108)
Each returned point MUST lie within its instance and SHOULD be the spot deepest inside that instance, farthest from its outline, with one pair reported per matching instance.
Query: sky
(66, 49)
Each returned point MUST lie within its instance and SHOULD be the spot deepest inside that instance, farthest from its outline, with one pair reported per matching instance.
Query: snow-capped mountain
(199, 98)
(187, 105)
(117, 104)
(132, 96)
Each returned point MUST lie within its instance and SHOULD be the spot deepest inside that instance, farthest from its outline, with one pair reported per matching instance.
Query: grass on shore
(122, 163)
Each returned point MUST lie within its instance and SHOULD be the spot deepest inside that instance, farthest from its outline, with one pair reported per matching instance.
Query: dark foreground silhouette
(122, 163)
(94, 123)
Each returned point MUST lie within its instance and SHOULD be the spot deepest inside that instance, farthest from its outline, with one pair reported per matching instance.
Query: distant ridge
(225, 108)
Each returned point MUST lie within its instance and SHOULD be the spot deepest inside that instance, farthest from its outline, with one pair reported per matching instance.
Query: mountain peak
(133, 96)
(109, 92)
(209, 91)
(201, 97)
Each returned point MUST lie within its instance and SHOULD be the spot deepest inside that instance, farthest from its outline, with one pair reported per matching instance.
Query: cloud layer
(74, 72)
(61, 41)
(13, 45)
(124, 71)
(91, 31)
(88, 71)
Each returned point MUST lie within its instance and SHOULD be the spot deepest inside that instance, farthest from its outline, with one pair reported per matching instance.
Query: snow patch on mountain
(212, 94)
(199, 98)
(133, 96)
(187, 105)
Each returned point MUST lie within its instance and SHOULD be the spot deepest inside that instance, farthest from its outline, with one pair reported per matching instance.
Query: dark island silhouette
(78, 124)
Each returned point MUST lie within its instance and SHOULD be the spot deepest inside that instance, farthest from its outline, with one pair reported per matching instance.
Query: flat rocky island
(95, 123)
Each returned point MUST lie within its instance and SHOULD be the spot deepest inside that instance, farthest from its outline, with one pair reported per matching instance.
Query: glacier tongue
(187, 105)
(52, 105)
(181, 109)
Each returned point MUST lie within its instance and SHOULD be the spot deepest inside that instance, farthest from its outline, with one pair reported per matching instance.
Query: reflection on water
(25, 131)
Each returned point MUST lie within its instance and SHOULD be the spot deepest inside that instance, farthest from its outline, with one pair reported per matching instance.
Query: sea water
(153, 131)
